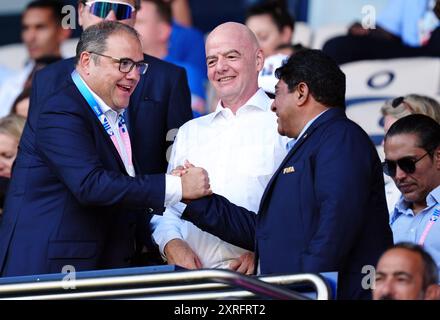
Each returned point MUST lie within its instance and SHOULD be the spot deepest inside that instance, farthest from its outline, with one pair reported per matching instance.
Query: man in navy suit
(160, 104)
(74, 195)
(324, 208)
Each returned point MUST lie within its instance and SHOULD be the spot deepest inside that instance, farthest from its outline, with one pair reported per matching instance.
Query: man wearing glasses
(75, 196)
(412, 159)
(160, 104)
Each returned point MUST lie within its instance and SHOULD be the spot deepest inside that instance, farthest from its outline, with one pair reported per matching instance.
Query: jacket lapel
(106, 137)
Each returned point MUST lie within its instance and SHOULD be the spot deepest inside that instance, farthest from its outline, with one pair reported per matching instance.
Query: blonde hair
(412, 104)
(12, 125)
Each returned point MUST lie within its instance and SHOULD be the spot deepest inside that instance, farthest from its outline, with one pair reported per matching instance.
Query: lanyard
(434, 217)
(85, 92)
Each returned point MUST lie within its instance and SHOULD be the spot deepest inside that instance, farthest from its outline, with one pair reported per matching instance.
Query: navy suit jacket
(323, 210)
(71, 201)
(160, 104)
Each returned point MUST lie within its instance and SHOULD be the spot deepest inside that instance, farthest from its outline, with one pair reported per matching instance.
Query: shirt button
(413, 230)
(150, 210)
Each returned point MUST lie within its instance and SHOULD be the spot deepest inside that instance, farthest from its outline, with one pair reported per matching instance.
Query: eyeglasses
(126, 64)
(406, 164)
(101, 9)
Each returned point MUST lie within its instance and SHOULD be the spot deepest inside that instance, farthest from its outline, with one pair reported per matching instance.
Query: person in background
(406, 272)
(412, 160)
(396, 109)
(405, 28)
(42, 34)
(154, 25)
(21, 104)
(272, 25)
(181, 12)
(11, 128)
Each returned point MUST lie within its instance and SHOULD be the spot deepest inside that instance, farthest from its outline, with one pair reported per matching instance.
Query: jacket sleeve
(216, 215)
(65, 141)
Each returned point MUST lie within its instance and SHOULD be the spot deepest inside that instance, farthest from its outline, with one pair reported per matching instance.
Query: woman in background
(398, 108)
(11, 128)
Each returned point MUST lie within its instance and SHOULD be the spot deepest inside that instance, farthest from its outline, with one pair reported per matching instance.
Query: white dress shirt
(173, 185)
(240, 153)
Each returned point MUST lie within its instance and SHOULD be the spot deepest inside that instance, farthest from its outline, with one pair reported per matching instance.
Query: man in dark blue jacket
(160, 104)
(324, 208)
(75, 195)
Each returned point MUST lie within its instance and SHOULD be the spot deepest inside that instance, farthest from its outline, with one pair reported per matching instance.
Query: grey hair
(94, 38)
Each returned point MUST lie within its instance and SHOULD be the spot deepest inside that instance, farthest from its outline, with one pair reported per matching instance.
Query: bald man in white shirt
(238, 144)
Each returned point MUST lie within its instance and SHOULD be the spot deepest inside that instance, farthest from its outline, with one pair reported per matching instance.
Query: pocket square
(288, 170)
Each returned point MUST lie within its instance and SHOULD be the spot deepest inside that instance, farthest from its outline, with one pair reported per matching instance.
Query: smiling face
(233, 60)
(104, 78)
(414, 186)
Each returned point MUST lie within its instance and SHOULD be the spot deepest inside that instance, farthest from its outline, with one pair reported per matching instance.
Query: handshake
(195, 181)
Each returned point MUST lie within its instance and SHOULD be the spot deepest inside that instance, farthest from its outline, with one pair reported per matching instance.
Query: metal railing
(213, 284)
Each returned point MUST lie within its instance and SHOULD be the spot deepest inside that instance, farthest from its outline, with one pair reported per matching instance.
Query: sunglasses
(406, 164)
(399, 101)
(126, 64)
(101, 9)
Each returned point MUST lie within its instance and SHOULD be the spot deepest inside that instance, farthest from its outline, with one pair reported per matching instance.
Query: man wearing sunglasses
(160, 104)
(412, 159)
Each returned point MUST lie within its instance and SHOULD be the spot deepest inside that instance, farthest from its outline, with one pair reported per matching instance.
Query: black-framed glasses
(101, 9)
(406, 164)
(126, 64)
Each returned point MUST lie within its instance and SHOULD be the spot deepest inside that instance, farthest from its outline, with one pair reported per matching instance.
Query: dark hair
(55, 5)
(322, 75)
(279, 14)
(26, 93)
(425, 128)
(94, 38)
(163, 10)
(430, 269)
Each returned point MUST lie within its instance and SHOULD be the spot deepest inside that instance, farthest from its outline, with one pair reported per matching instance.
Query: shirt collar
(308, 124)
(104, 107)
(259, 101)
(433, 197)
